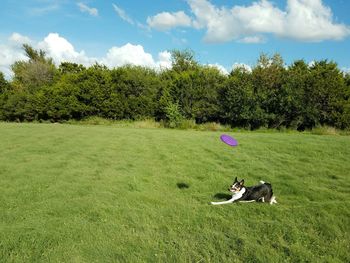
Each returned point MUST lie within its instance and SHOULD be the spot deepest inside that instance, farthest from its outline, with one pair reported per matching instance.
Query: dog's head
(236, 186)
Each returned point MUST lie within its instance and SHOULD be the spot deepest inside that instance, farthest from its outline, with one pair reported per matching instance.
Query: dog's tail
(263, 182)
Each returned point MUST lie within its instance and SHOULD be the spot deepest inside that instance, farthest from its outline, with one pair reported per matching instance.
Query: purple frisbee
(228, 140)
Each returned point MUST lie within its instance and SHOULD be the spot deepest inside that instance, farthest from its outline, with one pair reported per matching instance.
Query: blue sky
(141, 32)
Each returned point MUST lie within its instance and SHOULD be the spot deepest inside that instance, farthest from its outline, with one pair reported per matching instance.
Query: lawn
(76, 193)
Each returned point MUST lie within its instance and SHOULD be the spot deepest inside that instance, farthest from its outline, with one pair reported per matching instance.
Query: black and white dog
(259, 193)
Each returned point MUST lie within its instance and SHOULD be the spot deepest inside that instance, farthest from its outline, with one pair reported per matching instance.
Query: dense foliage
(299, 96)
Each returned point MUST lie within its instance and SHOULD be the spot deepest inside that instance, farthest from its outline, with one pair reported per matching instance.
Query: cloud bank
(61, 50)
(301, 20)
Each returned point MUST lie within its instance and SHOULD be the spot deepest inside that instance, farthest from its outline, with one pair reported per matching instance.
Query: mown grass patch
(77, 193)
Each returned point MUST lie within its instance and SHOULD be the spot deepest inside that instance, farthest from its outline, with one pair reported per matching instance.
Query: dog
(259, 193)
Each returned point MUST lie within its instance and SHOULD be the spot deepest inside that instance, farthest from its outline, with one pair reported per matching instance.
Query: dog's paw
(273, 200)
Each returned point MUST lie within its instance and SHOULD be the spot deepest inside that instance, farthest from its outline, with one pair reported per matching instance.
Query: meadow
(82, 193)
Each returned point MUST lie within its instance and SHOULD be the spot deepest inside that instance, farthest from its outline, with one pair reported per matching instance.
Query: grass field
(75, 193)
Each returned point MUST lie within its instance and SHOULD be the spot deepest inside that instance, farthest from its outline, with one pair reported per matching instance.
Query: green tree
(194, 87)
(173, 115)
(326, 92)
(163, 97)
(343, 120)
(62, 101)
(136, 89)
(36, 72)
(26, 100)
(207, 81)
(239, 105)
(70, 68)
(268, 77)
(13, 106)
(4, 85)
(182, 60)
(294, 90)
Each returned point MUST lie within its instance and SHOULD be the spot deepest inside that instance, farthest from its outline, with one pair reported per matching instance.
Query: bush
(173, 115)
(324, 130)
(271, 95)
(188, 124)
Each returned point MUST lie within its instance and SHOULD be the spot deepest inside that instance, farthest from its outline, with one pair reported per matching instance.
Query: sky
(220, 33)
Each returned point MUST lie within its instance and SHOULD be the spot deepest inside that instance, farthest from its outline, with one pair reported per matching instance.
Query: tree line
(299, 96)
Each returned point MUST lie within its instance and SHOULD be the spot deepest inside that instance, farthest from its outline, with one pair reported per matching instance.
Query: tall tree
(293, 95)
(3, 88)
(182, 60)
(344, 118)
(35, 72)
(68, 67)
(326, 91)
(268, 78)
(237, 100)
(135, 89)
(3, 83)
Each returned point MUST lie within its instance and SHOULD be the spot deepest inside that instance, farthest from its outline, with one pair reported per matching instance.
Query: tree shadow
(182, 185)
(222, 196)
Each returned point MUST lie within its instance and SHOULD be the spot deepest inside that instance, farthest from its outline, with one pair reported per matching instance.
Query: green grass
(75, 193)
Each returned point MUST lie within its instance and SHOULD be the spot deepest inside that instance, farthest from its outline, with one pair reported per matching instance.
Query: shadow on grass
(222, 196)
(182, 185)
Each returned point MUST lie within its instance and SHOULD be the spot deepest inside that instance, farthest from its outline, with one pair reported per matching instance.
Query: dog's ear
(241, 182)
(235, 180)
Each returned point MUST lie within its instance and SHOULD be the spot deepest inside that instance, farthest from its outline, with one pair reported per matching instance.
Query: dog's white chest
(239, 194)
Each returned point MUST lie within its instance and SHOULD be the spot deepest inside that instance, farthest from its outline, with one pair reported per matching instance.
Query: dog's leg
(234, 198)
(273, 200)
(224, 202)
(250, 201)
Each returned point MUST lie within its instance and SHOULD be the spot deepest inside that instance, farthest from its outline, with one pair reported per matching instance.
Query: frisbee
(228, 140)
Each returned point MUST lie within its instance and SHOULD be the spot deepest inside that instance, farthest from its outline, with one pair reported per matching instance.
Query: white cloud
(11, 52)
(18, 39)
(61, 50)
(135, 55)
(8, 55)
(261, 17)
(312, 21)
(221, 68)
(164, 60)
(243, 66)
(252, 39)
(128, 54)
(38, 11)
(84, 8)
(165, 21)
(220, 24)
(311, 63)
(123, 15)
(302, 20)
(345, 70)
